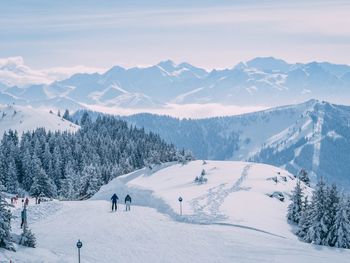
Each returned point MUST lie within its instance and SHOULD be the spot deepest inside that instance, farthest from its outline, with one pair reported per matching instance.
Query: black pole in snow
(180, 200)
(79, 245)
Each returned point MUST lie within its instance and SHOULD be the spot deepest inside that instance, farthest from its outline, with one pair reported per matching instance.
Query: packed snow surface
(22, 119)
(230, 218)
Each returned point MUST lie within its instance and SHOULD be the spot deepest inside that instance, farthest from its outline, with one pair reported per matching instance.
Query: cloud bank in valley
(14, 72)
(195, 111)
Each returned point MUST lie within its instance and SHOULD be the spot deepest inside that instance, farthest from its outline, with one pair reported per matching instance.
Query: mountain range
(314, 135)
(264, 81)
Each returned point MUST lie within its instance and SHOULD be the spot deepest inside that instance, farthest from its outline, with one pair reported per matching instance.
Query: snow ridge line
(209, 211)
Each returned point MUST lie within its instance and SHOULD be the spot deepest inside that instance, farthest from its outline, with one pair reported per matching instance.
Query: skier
(114, 199)
(127, 202)
(24, 217)
(26, 202)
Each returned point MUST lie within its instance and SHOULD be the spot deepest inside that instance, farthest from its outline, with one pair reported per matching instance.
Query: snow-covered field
(231, 218)
(25, 118)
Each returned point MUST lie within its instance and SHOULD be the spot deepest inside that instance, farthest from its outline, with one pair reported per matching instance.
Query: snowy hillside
(313, 135)
(231, 218)
(235, 193)
(22, 118)
(263, 81)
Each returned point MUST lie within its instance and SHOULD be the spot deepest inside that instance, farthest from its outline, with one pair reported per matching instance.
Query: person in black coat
(114, 199)
(127, 202)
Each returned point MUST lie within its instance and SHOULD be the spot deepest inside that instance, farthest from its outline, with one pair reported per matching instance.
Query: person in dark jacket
(24, 217)
(127, 202)
(114, 199)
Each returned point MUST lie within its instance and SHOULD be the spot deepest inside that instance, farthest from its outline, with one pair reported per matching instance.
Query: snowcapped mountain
(312, 135)
(24, 118)
(230, 217)
(264, 81)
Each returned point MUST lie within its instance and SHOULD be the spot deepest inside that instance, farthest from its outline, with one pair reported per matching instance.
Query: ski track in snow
(247, 227)
(317, 142)
(209, 212)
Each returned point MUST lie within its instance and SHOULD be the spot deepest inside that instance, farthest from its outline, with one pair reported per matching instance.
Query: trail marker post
(79, 245)
(180, 201)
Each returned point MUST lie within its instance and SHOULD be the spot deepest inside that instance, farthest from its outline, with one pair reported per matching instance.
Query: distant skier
(26, 202)
(24, 217)
(127, 202)
(114, 199)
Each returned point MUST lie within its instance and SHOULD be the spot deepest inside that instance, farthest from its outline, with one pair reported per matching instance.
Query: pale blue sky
(206, 33)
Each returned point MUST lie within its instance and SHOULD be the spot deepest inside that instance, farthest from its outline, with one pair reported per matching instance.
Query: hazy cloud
(197, 111)
(13, 71)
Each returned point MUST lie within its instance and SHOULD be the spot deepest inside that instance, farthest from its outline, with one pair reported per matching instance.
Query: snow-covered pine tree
(85, 119)
(341, 226)
(332, 207)
(296, 206)
(66, 115)
(304, 177)
(27, 237)
(42, 185)
(201, 178)
(3, 171)
(12, 176)
(57, 165)
(305, 221)
(68, 184)
(319, 228)
(27, 163)
(90, 181)
(5, 222)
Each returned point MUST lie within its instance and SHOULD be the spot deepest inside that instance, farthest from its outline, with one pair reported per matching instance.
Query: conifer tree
(332, 207)
(5, 222)
(305, 221)
(341, 226)
(304, 177)
(27, 164)
(68, 184)
(296, 206)
(11, 181)
(90, 181)
(43, 185)
(66, 115)
(318, 231)
(27, 237)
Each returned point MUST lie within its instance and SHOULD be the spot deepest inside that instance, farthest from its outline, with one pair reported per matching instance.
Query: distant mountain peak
(167, 64)
(268, 63)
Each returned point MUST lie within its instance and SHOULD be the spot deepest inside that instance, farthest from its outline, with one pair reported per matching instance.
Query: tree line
(75, 165)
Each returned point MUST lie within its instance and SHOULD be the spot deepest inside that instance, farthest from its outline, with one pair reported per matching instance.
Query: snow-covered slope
(231, 218)
(236, 193)
(22, 118)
